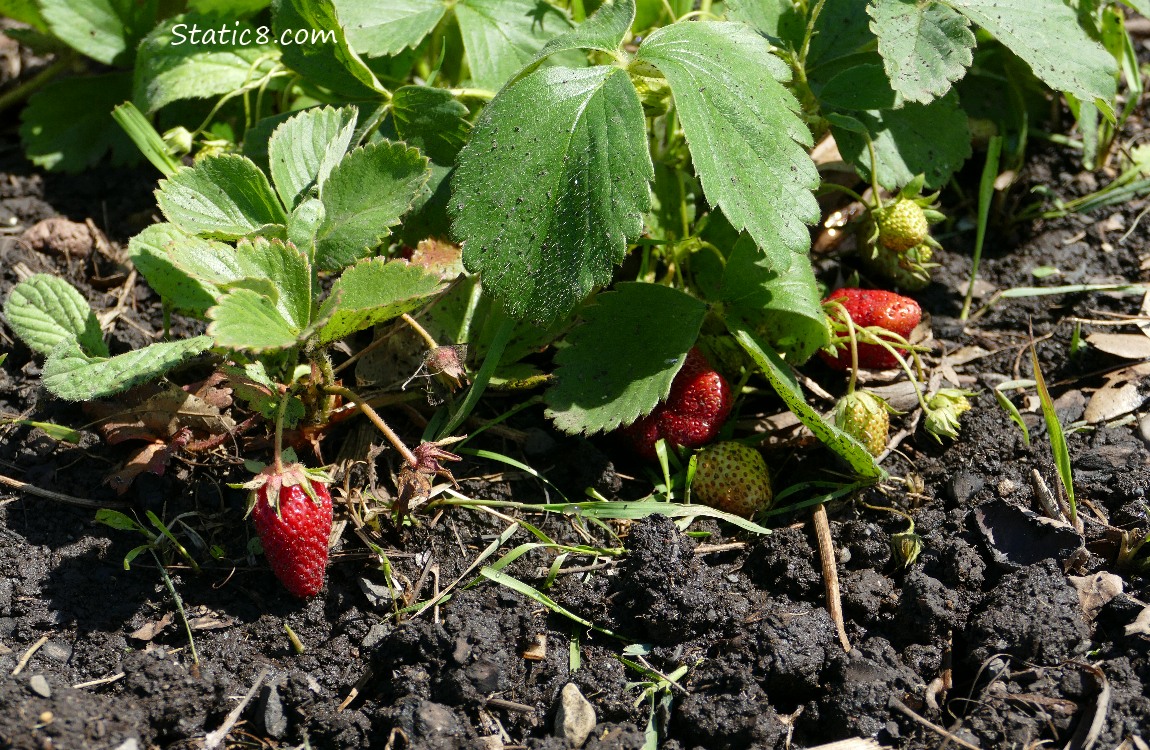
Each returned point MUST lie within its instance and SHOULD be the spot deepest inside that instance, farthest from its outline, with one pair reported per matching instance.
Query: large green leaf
(924, 48)
(72, 375)
(552, 184)
(501, 36)
(622, 359)
(778, 19)
(432, 120)
(378, 29)
(68, 124)
(331, 62)
(183, 269)
(930, 139)
(46, 311)
(784, 309)
(742, 125)
(223, 196)
(172, 65)
(250, 321)
(303, 151)
(779, 374)
(288, 272)
(363, 197)
(1047, 35)
(374, 291)
(105, 30)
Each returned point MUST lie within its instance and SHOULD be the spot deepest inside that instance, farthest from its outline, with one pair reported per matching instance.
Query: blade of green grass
(1058, 446)
(538, 596)
(985, 195)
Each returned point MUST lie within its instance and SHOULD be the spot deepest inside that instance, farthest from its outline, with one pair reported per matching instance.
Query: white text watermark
(242, 36)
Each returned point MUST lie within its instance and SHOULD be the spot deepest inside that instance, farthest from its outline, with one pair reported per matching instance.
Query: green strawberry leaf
(363, 197)
(169, 67)
(841, 31)
(377, 29)
(24, 11)
(182, 268)
(68, 125)
(620, 362)
(303, 150)
(861, 86)
(105, 30)
(331, 63)
(72, 375)
(501, 36)
(287, 271)
(930, 139)
(1048, 36)
(223, 196)
(924, 48)
(551, 186)
(779, 374)
(250, 321)
(432, 120)
(604, 30)
(742, 126)
(784, 309)
(45, 311)
(778, 19)
(374, 291)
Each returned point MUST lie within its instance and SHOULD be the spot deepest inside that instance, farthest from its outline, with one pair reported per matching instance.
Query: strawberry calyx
(270, 483)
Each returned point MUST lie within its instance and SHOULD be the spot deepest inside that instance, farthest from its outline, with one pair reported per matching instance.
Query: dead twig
(214, 739)
(59, 497)
(830, 574)
(902, 708)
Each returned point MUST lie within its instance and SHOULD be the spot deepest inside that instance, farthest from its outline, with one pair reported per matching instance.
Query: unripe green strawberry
(908, 270)
(902, 225)
(733, 478)
(865, 417)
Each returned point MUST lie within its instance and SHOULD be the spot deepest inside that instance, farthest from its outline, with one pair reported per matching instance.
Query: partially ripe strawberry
(693, 413)
(873, 307)
(292, 513)
(734, 478)
(865, 417)
(902, 225)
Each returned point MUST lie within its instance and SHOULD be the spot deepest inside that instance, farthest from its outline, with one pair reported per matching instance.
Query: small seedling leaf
(924, 48)
(432, 120)
(622, 359)
(303, 151)
(223, 196)
(105, 30)
(743, 127)
(121, 521)
(324, 56)
(501, 36)
(68, 124)
(46, 311)
(383, 29)
(75, 376)
(364, 196)
(170, 67)
(784, 308)
(552, 184)
(779, 375)
(1049, 37)
(374, 291)
(929, 139)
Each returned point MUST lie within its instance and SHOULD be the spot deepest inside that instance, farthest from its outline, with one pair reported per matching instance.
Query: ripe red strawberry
(693, 413)
(873, 307)
(732, 477)
(292, 513)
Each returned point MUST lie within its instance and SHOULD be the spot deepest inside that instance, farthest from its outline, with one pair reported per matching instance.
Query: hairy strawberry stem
(377, 420)
(431, 342)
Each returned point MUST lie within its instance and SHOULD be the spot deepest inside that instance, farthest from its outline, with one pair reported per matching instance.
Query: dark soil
(984, 637)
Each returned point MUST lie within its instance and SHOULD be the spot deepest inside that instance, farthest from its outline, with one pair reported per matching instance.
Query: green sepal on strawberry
(872, 308)
(865, 417)
(944, 409)
(292, 512)
(908, 270)
(734, 478)
(692, 414)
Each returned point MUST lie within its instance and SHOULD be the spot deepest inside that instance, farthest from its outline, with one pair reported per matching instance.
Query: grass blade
(1058, 446)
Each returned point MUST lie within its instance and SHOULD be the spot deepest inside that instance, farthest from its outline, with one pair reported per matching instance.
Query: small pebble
(576, 716)
(40, 686)
(1006, 487)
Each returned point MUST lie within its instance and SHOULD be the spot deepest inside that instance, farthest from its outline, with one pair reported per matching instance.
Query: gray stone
(129, 744)
(272, 713)
(57, 651)
(576, 716)
(40, 686)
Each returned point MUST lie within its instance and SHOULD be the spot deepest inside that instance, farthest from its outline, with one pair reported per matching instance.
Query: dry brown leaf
(1141, 624)
(1095, 590)
(150, 630)
(1125, 345)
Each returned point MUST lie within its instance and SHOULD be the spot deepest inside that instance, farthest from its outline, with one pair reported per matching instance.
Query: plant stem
(431, 342)
(36, 82)
(179, 604)
(376, 420)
